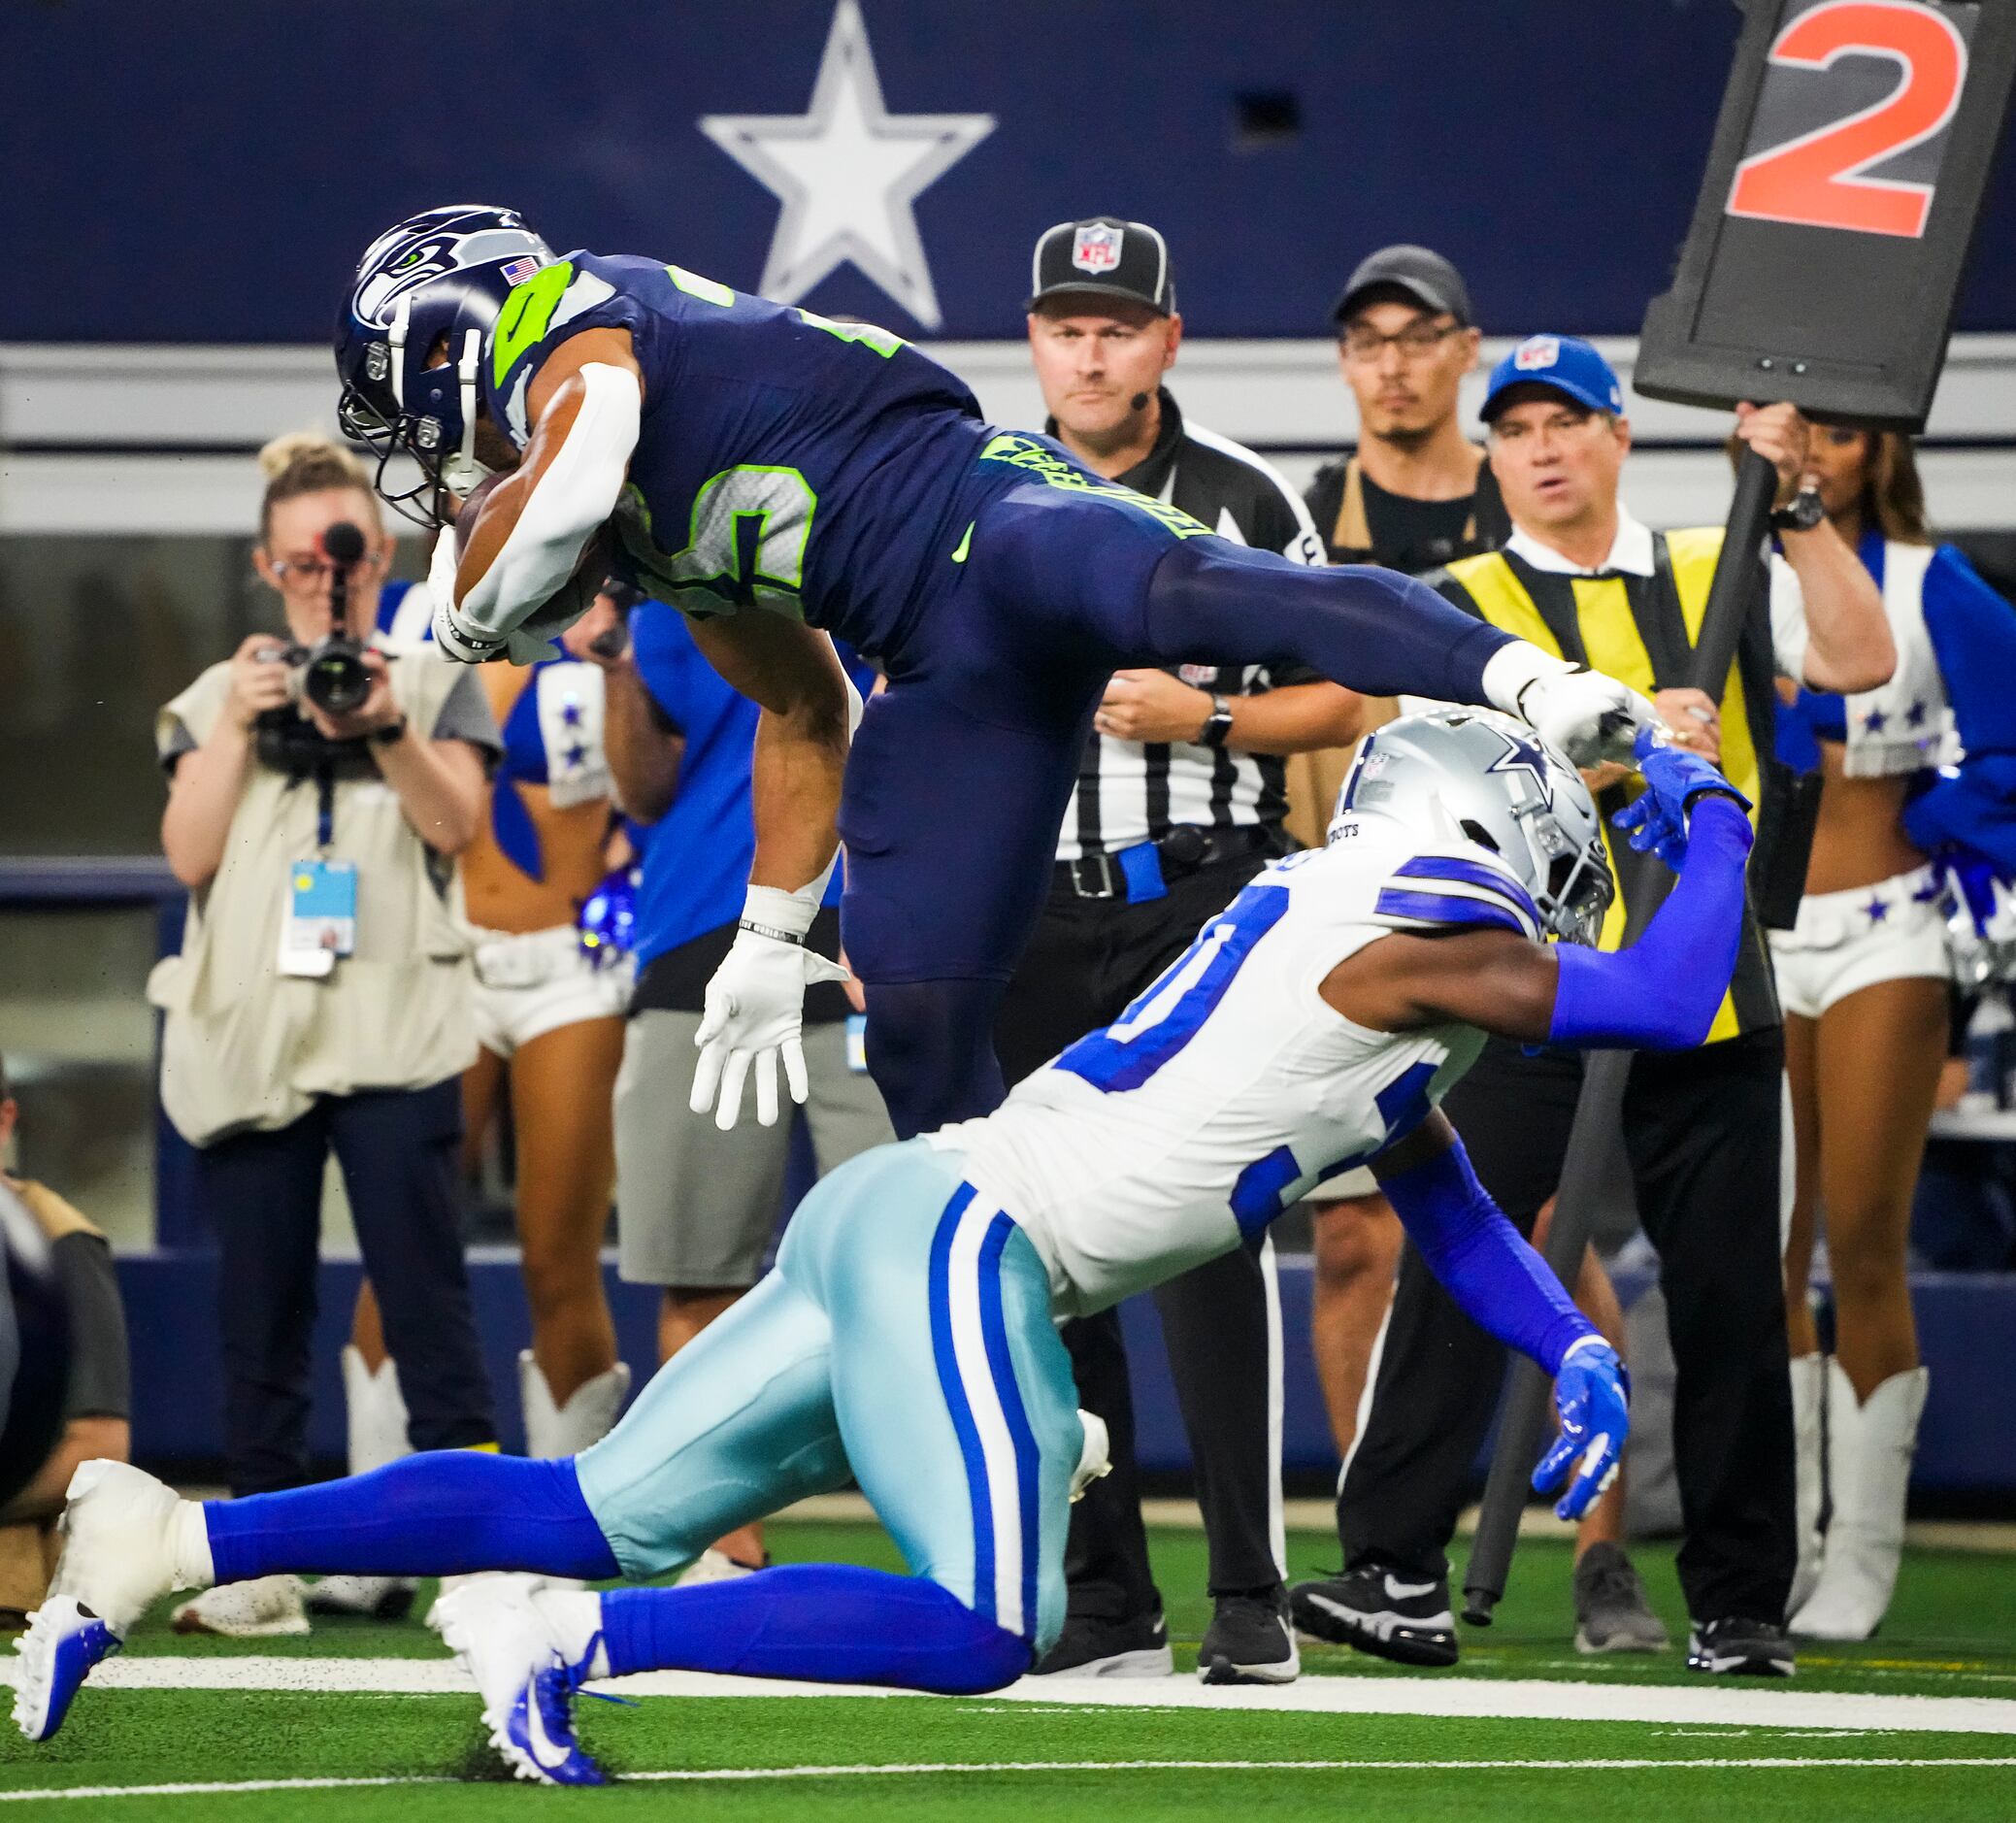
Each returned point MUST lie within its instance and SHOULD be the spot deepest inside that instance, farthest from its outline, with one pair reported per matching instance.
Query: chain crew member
(1701, 1127)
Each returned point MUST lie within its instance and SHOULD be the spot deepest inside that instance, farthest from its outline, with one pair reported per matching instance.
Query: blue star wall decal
(848, 174)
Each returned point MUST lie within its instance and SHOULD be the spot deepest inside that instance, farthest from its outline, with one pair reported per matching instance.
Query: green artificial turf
(1948, 1635)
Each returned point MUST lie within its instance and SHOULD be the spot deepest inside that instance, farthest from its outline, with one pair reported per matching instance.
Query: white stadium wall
(157, 440)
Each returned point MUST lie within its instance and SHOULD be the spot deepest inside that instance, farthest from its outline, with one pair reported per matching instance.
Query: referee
(1178, 804)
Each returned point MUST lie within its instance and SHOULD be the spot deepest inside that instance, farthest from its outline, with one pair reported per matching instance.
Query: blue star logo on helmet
(1522, 756)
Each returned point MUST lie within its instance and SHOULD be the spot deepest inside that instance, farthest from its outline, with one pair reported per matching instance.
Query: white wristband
(783, 910)
(1512, 667)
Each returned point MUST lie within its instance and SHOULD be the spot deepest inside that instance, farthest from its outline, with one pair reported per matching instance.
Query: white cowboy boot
(1868, 1467)
(587, 1416)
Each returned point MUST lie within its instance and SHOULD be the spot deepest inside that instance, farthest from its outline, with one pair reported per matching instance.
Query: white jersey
(1231, 1088)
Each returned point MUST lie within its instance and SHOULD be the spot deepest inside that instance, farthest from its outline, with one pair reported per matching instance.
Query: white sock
(188, 1547)
(576, 1619)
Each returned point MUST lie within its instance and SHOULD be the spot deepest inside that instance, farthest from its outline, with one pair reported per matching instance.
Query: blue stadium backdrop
(198, 176)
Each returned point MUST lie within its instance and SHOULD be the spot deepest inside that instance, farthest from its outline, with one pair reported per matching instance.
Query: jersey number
(1168, 1014)
(1818, 179)
(746, 543)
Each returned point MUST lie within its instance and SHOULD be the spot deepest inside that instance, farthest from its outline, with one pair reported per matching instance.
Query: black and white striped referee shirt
(1131, 791)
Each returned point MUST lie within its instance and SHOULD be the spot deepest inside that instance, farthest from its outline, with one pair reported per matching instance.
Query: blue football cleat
(493, 1626)
(64, 1639)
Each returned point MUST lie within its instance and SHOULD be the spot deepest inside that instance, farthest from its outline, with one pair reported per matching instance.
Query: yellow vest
(1613, 623)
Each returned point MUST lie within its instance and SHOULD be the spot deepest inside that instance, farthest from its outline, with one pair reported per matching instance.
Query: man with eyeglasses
(1416, 492)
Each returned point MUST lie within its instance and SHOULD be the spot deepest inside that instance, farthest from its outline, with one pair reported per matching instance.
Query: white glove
(528, 643)
(1577, 712)
(453, 637)
(756, 1007)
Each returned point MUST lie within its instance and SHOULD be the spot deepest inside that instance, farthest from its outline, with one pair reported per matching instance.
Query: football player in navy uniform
(780, 478)
(909, 1332)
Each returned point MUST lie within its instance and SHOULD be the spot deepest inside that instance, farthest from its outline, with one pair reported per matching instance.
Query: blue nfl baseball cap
(1566, 364)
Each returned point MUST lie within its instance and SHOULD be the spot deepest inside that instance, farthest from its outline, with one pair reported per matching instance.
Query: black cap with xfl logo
(1106, 257)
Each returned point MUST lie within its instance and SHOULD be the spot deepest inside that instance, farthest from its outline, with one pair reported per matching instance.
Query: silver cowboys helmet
(1473, 776)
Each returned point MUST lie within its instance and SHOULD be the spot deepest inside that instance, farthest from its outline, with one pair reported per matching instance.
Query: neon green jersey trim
(883, 341)
(528, 311)
(708, 290)
(1046, 465)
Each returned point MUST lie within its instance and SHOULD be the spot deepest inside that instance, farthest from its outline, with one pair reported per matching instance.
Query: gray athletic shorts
(697, 1206)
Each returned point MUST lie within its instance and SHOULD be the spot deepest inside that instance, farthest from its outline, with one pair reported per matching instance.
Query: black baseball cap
(1108, 258)
(1421, 273)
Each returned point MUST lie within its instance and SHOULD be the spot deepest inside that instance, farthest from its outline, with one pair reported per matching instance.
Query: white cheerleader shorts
(532, 982)
(1845, 941)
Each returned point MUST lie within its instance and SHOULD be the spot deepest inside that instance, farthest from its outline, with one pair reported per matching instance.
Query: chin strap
(461, 473)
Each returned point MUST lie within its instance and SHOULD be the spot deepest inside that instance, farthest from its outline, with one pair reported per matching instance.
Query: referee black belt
(1137, 873)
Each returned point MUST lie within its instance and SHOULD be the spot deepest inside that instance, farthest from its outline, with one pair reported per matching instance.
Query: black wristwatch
(1803, 514)
(389, 734)
(1217, 724)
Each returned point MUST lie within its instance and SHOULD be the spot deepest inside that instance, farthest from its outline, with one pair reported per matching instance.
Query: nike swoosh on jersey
(965, 544)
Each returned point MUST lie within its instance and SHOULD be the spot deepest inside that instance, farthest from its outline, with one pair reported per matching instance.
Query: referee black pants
(1088, 959)
(1701, 1132)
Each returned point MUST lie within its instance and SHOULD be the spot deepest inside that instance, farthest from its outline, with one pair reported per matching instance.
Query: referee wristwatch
(1217, 724)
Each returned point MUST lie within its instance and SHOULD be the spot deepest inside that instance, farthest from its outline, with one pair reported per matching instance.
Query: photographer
(317, 796)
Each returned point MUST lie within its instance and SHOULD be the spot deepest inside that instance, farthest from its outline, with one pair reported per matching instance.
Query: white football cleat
(119, 1534)
(710, 1565)
(118, 1556)
(496, 1630)
(266, 1607)
(368, 1598)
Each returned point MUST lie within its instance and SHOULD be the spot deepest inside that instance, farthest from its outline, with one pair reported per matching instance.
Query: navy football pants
(962, 768)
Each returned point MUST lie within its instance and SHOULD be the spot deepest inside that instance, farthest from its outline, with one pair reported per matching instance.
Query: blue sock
(826, 1623)
(440, 1514)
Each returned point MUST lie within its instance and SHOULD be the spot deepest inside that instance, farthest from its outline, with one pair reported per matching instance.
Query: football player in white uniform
(908, 1334)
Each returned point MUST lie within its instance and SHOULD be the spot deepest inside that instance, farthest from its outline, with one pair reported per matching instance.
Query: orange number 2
(1818, 179)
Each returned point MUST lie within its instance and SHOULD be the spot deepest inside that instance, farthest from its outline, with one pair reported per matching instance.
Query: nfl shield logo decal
(1537, 351)
(1096, 249)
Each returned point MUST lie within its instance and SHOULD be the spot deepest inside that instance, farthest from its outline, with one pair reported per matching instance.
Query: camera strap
(326, 804)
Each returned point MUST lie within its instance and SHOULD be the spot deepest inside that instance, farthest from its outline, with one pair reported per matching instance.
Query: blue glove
(1592, 1392)
(1657, 818)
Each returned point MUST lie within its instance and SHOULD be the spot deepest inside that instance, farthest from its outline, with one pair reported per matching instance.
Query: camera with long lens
(330, 673)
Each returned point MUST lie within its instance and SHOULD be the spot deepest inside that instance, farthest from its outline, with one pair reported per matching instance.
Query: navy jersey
(785, 461)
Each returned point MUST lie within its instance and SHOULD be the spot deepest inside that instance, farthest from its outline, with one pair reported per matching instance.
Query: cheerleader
(1864, 981)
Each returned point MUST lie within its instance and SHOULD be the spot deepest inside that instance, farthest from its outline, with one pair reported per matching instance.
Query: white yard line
(743, 1773)
(1521, 1699)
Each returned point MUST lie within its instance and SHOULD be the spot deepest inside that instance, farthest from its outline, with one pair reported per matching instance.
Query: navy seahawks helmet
(1474, 775)
(432, 284)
